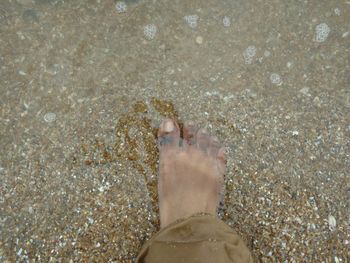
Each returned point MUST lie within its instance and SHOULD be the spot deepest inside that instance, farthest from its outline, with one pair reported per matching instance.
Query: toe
(168, 135)
(214, 146)
(222, 161)
(203, 140)
(189, 133)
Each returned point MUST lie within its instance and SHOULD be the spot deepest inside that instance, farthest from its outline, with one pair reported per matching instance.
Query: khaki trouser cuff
(199, 238)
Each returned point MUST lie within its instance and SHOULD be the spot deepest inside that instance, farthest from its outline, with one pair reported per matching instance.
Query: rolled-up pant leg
(199, 238)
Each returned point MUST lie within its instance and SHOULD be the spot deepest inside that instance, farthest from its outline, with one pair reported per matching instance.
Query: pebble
(52, 69)
(298, 219)
(295, 133)
(304, 90)
(332, 222)
(311, 226)
(276, 79)
(150, 31)
(30, 15)
(192, 20)
(50, 117)
(322, 32)
(317, 101)
(199, 40)
(3, 14)
(267, 53)
(121, 7)
(25, 2)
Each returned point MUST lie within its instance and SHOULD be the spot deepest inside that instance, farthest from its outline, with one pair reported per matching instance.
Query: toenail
(168, 126)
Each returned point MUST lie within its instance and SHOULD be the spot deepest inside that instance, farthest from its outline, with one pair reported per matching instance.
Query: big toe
(168, 135)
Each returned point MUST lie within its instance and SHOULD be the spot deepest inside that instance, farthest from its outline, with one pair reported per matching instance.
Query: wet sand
(85, 84)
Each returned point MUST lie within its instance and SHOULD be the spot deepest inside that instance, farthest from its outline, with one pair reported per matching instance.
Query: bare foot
(190, 175)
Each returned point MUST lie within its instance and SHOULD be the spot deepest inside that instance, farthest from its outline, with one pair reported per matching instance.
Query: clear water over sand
(84, 85)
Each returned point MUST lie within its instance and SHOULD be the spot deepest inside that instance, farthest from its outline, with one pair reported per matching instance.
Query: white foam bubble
(322, 31)
(226, 21)
(276, 79)
(150, 31)
(121, 7)
(50, 117)
(249, 54)
(337, 11)
(192, 20)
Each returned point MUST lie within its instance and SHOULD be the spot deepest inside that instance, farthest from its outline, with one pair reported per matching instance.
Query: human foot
(190, 175)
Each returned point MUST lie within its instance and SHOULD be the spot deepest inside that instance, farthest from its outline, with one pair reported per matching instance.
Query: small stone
(317, 101)
(199, 40)
(25, 2)
(304, 90)
(345, 34)
(121, 7)
(52, 69)
(311, 226)
(50, 117)
(150, 31)
(298, 219)
(332, 222)
(20, 35)
(30, 15)
(30, 210)
(267, 53)
(295, 133)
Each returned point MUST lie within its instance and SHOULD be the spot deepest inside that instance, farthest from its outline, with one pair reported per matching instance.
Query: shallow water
(84, 86)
